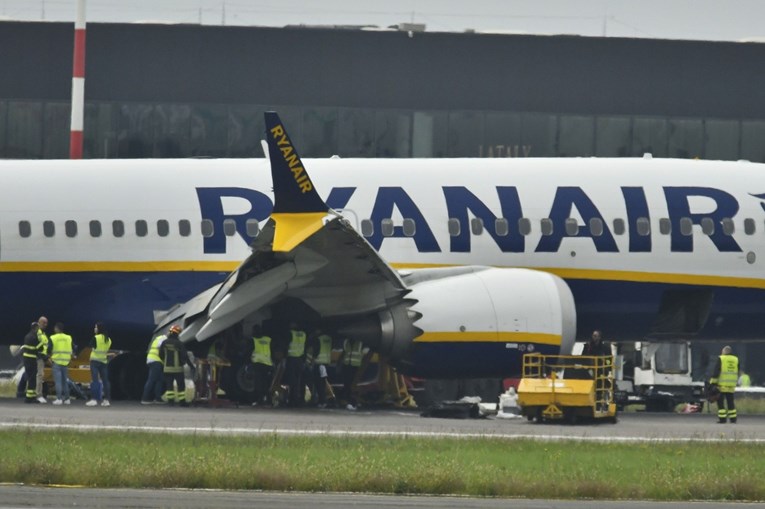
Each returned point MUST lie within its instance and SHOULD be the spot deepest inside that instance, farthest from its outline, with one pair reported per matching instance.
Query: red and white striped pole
(78, 84)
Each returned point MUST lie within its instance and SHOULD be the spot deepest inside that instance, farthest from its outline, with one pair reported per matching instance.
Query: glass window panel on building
(356, 132)
(430, 134)
(539, 132)
(57, 122)
(393, 133)
(649, 135)
(3, 123)
(135, 130)
(613, 136)
(753, 140)
(246, 128)
(209, 130)
(172, 130)
(502, 136)
(686, 138)
(721, 139)
(319, 132)
(576, 136)
(99, 137)
(465, 134)
(24, 136)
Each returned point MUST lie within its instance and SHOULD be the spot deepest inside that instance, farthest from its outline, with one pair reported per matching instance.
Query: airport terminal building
(187, 90)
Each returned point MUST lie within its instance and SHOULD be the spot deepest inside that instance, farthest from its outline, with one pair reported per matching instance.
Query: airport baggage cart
(567, 388)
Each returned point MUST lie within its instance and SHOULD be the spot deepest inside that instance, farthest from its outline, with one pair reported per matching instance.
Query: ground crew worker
(174, 356)
(152, 391)
(321, 351)
(262, 365)
(61, 356)
(30, 353)
(42, 339)
(725, 376)
(353, 353)
(744, 380)
(295, 361)
(595, 346)
(100, 390)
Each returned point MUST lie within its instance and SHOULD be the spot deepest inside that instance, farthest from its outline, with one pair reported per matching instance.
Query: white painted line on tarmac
(192, 430)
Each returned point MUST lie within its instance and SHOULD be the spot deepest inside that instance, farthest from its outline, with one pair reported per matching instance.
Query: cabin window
(596, 226)
(686, 226)
(386, 227)
(229, 227)
(253, 227)
(95, 228)
(643, 226)
(749, 226)
(476, 225)
(708, 226)
(49, 228)
(163, 228)
(70, 228)
(502, 227)
(367, 227)
(524, 226)
(25, 229)
(409, 227)
(454, 227)
(619, 227)
(665, 227)
(728, 227)
(572, 227)
(118, 228)
(547, 226)
(141, 228)
(207, 228)
(184, 227)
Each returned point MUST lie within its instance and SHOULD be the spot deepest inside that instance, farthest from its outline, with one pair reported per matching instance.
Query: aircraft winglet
(298, 209)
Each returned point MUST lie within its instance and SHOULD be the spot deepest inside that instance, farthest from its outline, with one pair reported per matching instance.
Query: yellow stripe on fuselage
(489, 337)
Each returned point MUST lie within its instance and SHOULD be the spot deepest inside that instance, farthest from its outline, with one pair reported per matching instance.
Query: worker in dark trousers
(353, 353)
(263, 365)
(152, 391)
(295, 365)
(31, 351)
(725, 376)
(174, 356)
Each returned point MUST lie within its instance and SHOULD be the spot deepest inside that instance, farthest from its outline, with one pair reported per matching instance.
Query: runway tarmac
(126, 416)
(25, 496)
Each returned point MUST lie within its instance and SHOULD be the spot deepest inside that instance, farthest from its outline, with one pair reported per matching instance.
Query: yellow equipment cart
(567, 387)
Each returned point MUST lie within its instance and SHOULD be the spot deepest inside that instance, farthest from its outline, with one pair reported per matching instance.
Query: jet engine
(471, 322)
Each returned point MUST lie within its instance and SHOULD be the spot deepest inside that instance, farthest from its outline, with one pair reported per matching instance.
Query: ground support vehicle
(567, 388)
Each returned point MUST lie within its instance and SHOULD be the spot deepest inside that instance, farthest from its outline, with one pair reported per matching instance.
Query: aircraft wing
(306, 251)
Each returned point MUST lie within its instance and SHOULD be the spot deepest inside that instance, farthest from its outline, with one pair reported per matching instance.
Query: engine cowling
(473, 322)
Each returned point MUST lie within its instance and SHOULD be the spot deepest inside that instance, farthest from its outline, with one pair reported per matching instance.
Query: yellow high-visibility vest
(261, 352)
(728, 373)
(353, 352)
(103, 344)
(42, 340)
(62, 348)
(297, 344)
(325, 350)
(153, 354)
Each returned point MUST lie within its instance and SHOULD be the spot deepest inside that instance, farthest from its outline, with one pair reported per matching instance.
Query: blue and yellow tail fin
(298, 209)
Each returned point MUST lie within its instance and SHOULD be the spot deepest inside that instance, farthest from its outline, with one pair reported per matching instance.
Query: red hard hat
(175, 329)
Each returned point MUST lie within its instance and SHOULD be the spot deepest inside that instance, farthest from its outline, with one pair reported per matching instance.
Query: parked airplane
(450, 268)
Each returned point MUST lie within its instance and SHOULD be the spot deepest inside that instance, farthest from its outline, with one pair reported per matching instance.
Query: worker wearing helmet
(725, 376)
(174, 356)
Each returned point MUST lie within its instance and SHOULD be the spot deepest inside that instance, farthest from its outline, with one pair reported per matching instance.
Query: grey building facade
(185, 90)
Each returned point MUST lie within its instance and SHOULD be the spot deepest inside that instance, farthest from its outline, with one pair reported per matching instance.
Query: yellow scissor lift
(567, 387)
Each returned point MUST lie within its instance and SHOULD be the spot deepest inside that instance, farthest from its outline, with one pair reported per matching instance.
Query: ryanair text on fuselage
(462, 204)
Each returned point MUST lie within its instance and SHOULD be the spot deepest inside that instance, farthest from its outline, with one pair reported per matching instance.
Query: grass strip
(478, 467)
